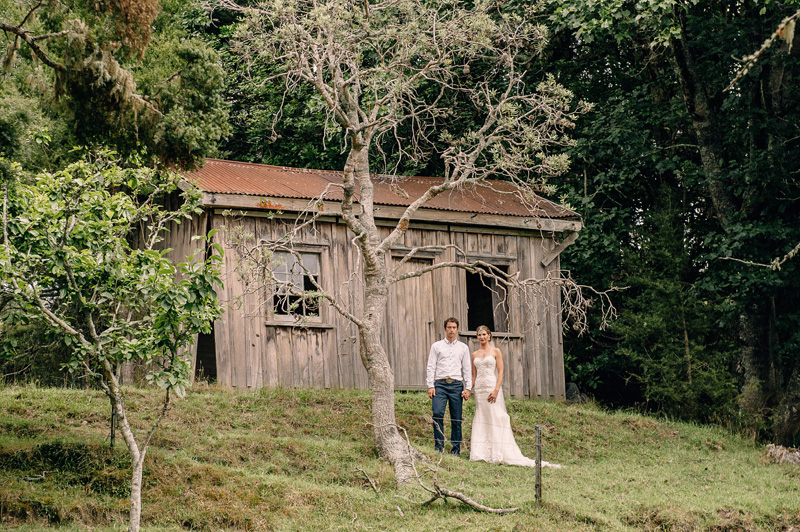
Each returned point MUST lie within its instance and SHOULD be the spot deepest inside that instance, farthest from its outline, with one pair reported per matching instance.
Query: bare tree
(381, 70)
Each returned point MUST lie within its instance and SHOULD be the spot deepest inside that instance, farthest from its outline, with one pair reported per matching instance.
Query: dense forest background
(689, 188)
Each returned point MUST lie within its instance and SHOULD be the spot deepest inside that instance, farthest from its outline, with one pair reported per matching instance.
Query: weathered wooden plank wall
(178, 239)
(255, 350)
(410, 328)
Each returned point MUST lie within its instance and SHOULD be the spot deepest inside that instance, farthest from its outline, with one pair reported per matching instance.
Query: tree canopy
(85, 73)
(689, 190)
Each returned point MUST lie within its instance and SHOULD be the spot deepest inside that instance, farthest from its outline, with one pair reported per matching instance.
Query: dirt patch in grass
(733, 521)
(658, 519)
(736, 521)
(726, 520)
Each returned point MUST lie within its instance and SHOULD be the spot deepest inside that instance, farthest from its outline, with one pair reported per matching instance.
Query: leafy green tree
(98, 69)
(681, 362)
(80, 254)
(727, 154)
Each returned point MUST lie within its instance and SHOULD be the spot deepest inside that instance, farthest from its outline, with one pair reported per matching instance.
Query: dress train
(492, 438)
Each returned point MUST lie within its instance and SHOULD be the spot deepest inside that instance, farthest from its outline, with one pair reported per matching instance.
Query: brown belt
(448, 380)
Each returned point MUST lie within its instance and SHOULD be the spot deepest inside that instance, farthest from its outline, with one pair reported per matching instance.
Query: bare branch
(319, 289)
(35, 48)
(444, 493)
(256, 267)
(49, 35)
(775, 264)
(784, 30)
(575, 305)
(439, 492)
(371, 482)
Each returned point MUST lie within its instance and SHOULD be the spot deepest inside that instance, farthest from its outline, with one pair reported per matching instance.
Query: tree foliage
(669, 142)
(81, 258)
(80, 255)
(97, 70)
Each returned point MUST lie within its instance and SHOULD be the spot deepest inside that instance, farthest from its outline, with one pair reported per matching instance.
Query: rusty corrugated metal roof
(496, 197)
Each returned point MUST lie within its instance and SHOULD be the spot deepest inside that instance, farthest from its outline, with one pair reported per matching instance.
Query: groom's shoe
(455, 452)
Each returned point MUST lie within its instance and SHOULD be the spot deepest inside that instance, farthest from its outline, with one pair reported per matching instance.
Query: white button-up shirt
(449, 361)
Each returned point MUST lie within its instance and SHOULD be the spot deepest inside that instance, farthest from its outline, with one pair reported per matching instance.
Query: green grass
(291, 460)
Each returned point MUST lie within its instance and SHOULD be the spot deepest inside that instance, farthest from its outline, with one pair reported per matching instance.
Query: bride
(492, 439)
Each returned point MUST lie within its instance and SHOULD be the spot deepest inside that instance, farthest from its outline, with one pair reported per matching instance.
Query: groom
(449, 380)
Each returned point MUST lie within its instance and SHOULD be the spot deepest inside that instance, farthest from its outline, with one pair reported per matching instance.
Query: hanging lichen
(132, 21)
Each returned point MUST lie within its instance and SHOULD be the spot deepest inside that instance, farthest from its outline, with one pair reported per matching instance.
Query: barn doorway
(206, 361)
(487, 302)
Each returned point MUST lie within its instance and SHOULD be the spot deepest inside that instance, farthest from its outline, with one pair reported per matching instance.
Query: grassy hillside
(298, 460)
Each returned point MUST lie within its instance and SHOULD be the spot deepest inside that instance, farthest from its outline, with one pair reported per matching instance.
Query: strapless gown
(492, 438)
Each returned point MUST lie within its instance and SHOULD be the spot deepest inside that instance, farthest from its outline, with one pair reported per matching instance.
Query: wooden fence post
(538, 465)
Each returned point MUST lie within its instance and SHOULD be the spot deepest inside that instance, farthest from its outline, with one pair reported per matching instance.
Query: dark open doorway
(206, 367)
(487, 303)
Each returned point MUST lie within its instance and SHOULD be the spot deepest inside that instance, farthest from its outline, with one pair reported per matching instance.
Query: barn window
(295, 290)
(487, 302)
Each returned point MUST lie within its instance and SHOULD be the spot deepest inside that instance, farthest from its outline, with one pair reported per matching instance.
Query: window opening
(295, 275)
(487, 302)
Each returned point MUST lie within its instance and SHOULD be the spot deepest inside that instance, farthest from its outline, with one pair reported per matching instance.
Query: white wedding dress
(492, 439)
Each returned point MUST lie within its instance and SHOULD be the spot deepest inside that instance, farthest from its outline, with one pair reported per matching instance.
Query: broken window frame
(292, 297)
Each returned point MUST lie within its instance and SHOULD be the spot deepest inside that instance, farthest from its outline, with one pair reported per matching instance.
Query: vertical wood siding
(253, 351)
(179, 241)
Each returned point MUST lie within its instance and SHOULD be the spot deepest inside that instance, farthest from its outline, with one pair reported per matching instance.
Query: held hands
(465, 394)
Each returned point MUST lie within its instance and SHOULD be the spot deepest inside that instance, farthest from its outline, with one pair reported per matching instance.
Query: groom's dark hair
(450, 319)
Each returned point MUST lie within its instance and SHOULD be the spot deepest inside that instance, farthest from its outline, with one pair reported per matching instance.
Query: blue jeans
(447, 394)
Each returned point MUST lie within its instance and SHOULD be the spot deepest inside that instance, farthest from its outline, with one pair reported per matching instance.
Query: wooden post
(538, 466)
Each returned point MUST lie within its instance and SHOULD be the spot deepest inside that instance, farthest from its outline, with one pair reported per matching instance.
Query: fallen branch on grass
(444, 493)
(438, 492)
(371, 483)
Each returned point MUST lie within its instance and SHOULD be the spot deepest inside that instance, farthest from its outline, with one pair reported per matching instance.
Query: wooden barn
(260, 341)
